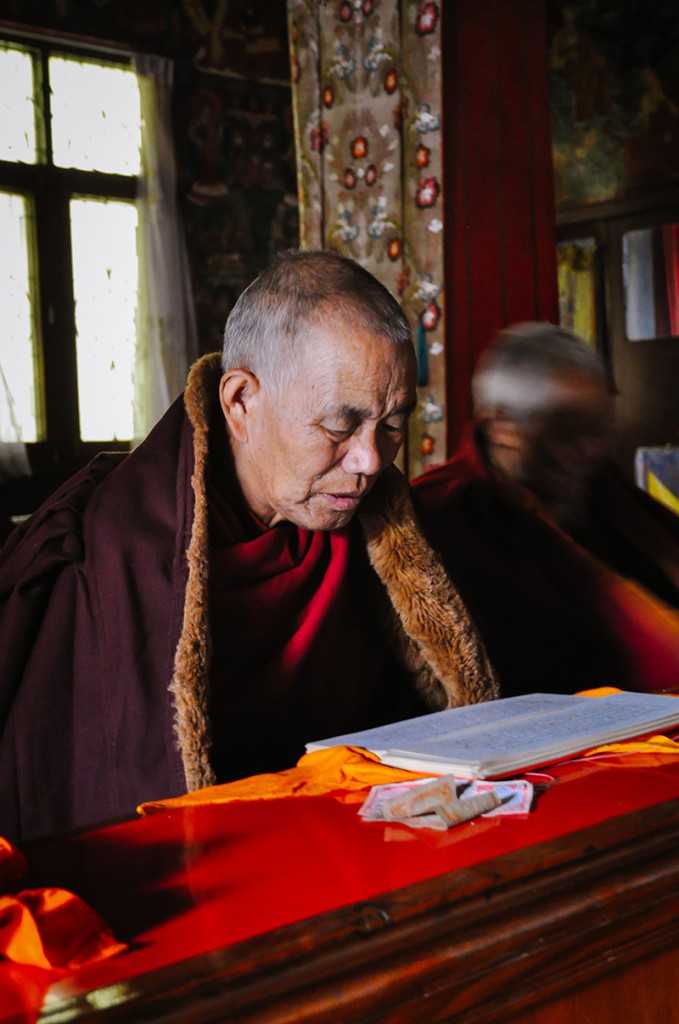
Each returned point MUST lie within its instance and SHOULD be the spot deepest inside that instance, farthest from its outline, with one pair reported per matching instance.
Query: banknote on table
(372, 806)
(445, 801)
(516, 797)
(455, 811)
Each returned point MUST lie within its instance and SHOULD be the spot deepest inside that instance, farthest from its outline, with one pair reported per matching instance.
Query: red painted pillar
(498, 186)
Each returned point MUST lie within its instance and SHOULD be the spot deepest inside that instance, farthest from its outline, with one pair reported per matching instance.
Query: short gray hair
(268, 326)
(519, 372)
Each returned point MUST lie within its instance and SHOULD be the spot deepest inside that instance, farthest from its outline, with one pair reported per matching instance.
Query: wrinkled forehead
(351, 340)
(345, 366)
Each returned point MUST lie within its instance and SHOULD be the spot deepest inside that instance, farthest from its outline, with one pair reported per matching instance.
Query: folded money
(443, 802)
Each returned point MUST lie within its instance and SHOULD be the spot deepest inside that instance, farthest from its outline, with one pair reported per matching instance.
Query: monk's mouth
(343, 502)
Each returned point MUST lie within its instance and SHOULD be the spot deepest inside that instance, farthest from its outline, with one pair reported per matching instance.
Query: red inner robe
(298, 653)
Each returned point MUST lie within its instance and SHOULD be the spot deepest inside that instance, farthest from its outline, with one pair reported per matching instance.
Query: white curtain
(13, 454)
(166, 329)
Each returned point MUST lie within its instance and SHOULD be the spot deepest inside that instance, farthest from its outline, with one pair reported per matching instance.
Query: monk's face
(310, 453)
(560, 450)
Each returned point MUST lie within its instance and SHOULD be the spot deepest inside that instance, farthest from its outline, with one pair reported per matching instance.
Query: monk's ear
(237, 389)
(501, 431)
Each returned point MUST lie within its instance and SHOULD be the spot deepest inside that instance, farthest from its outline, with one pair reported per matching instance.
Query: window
(69, 161)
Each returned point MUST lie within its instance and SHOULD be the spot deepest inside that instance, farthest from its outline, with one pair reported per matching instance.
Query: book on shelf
(513, 734)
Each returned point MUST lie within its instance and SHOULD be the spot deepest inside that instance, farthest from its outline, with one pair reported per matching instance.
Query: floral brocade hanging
(366, 80)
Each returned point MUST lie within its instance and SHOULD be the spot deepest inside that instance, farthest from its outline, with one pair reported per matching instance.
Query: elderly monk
(250, 578)
(570, 572)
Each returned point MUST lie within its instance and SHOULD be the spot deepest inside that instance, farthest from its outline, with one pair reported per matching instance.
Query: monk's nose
(364, 456)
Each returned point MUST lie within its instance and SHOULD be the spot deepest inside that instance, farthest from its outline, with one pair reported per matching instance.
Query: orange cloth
(600, 691)
(323, 771)
(53, 928)
(48, 927)
(656, 745)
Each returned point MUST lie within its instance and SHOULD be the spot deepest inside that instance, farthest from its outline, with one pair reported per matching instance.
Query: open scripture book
(512, 734)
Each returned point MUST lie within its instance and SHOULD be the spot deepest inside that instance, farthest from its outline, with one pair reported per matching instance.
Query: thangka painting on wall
(614, 94)
(366, 95)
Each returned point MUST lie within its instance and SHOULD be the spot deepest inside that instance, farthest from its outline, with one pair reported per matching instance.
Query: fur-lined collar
(430, 625)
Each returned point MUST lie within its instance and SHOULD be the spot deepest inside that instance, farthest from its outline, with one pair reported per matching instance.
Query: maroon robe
(152, 642)
(298, 653)
(555, 615)
(92, 601)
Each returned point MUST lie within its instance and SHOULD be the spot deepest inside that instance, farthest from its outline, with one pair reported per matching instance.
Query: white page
(548, 728)
(413, 731)
(515, 731)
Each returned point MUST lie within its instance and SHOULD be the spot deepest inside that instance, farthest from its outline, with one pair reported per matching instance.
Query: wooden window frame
(50, 189)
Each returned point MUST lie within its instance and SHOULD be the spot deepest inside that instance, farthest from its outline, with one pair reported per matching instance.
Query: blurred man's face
(310, 454)
(559, 451)
(555, 454)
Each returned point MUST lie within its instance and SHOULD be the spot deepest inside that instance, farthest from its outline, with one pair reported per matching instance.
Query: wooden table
(297, 910)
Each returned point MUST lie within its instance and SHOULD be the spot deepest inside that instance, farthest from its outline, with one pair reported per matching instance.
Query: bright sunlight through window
(105, 282)
(18, 356)
(96, 121)
(17, 115)
(95, 127)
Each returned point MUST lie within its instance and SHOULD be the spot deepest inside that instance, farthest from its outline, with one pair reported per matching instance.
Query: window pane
(19, 418)
(17, 113)
(105, 287)
(96, 121)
